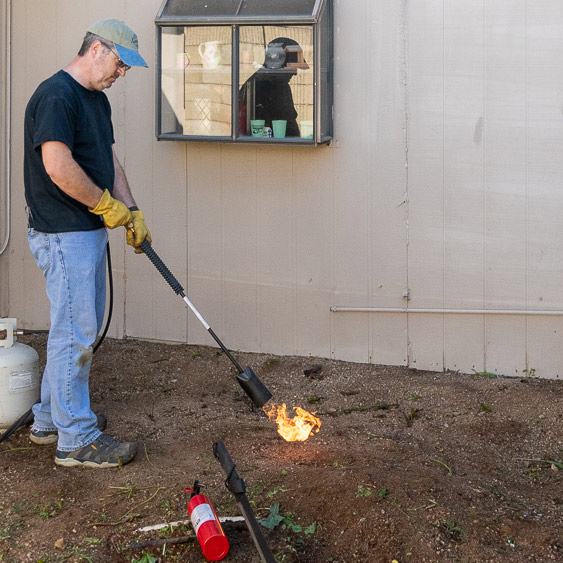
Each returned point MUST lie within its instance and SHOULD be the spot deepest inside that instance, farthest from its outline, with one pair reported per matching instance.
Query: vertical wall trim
(404, 62)
(6, 80)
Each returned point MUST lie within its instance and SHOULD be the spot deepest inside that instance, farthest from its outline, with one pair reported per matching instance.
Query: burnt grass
(408, 465)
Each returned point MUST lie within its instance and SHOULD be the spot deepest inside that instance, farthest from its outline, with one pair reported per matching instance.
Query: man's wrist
(133, 208)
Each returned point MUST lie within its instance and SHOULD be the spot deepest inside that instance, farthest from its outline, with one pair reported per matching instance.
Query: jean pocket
(39, 244)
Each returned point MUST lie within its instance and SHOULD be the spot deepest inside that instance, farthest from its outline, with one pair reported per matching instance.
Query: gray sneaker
(46, 437)
(103, 452)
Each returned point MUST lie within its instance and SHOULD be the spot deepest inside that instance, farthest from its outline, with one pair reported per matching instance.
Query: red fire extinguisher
(213, 541)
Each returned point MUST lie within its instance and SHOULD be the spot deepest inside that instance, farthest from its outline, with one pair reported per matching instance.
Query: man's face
(107, 68)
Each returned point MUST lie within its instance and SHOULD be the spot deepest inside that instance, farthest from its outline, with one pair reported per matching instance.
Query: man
(75, 187)
(267, 94)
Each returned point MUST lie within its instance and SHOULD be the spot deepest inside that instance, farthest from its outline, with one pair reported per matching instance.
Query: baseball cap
(124, 39)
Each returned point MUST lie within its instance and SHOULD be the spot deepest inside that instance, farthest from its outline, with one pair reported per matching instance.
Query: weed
(313, 399)
(362, 491)
(414, 397)
(166, 506)
(277, 490)
(554, 464)
(77, 556)
(145, 558)
(50, 511)
(310, 529)
(530, 372)
(226, 503)
(443, 464)
(383, 493)
(166, 532)
(412, 416)
(6, 532)
(485, 408)
(92, 541)
(484, 374)
(194, 353)
(17, 508)
(286, 521)
(450, 528)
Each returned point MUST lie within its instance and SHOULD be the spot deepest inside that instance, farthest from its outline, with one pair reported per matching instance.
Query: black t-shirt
(271, 93)
(63, 110)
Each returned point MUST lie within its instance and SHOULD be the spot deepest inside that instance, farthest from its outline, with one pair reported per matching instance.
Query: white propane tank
(19, 375)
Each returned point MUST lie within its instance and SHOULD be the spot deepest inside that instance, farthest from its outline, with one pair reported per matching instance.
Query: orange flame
(296, 429)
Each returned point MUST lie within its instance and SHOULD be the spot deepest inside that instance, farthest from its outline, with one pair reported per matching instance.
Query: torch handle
(235, 485)
(234, 482)
(161, 267)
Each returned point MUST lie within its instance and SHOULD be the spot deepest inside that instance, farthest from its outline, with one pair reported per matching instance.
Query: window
(245, 71)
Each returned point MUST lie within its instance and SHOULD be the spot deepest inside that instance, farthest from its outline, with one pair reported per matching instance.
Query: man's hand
(114, 212)
(138, 232)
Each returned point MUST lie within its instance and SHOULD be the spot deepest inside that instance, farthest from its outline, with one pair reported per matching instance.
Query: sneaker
(45, 437)
(103, 452)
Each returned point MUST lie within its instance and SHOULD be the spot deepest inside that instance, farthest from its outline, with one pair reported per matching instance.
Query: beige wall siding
(443, 184)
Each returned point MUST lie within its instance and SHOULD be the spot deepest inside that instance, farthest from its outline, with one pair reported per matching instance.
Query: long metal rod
(8, 109)
(445, 311)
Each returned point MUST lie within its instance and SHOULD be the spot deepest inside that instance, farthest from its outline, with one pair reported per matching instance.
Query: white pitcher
(210, 54)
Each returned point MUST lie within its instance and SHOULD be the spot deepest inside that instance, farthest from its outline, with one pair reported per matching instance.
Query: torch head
(253, 387)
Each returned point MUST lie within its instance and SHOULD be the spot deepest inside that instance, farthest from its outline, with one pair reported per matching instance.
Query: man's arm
(68, 174)
(138, 231)
(121, 189)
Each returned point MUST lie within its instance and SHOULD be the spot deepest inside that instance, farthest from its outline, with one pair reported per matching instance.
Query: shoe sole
(44, 440)
(70, 462)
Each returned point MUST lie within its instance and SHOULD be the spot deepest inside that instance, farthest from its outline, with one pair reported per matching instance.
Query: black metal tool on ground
(247, 379)
(236, 485)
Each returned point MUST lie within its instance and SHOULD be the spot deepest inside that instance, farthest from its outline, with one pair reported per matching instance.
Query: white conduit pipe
(7, 180)
(446, 311)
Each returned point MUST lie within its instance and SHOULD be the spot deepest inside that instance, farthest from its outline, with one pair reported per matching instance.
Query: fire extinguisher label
(200, 514)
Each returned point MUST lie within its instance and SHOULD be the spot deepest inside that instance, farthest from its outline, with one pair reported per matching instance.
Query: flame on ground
(296, 429)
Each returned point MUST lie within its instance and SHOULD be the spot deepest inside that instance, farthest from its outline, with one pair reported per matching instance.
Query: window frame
(322, 8)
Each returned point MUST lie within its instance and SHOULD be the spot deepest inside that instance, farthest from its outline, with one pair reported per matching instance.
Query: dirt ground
(408, 465)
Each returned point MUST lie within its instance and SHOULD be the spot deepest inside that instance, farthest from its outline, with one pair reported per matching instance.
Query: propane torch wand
(248, 380)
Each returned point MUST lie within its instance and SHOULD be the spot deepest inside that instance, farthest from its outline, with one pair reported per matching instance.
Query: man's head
(293, 54)
(123, 38)
(108, 51)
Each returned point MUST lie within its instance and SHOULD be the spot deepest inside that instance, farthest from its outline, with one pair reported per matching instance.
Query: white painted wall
(444, 181)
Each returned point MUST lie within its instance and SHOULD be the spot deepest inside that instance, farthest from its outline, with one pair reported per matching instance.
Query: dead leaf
(60, 543)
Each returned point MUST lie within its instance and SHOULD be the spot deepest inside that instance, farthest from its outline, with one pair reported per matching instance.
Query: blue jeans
(74, 266)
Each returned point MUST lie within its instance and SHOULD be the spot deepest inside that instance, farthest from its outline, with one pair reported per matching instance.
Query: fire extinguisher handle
(234, 482)
(161, 267)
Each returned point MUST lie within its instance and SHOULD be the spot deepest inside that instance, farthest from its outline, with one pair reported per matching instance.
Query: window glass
(276, 81)
(199, 8)
(276, 7)
(196, 81)
(191, 8)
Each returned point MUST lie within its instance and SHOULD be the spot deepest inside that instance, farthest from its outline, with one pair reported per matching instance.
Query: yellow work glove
(137, 231)
(114, 212)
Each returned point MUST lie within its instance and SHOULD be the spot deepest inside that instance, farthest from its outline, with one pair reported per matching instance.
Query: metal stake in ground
(236, 485)
(247, 379)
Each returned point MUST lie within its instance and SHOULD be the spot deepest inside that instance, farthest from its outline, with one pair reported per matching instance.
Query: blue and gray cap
(124, 39)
